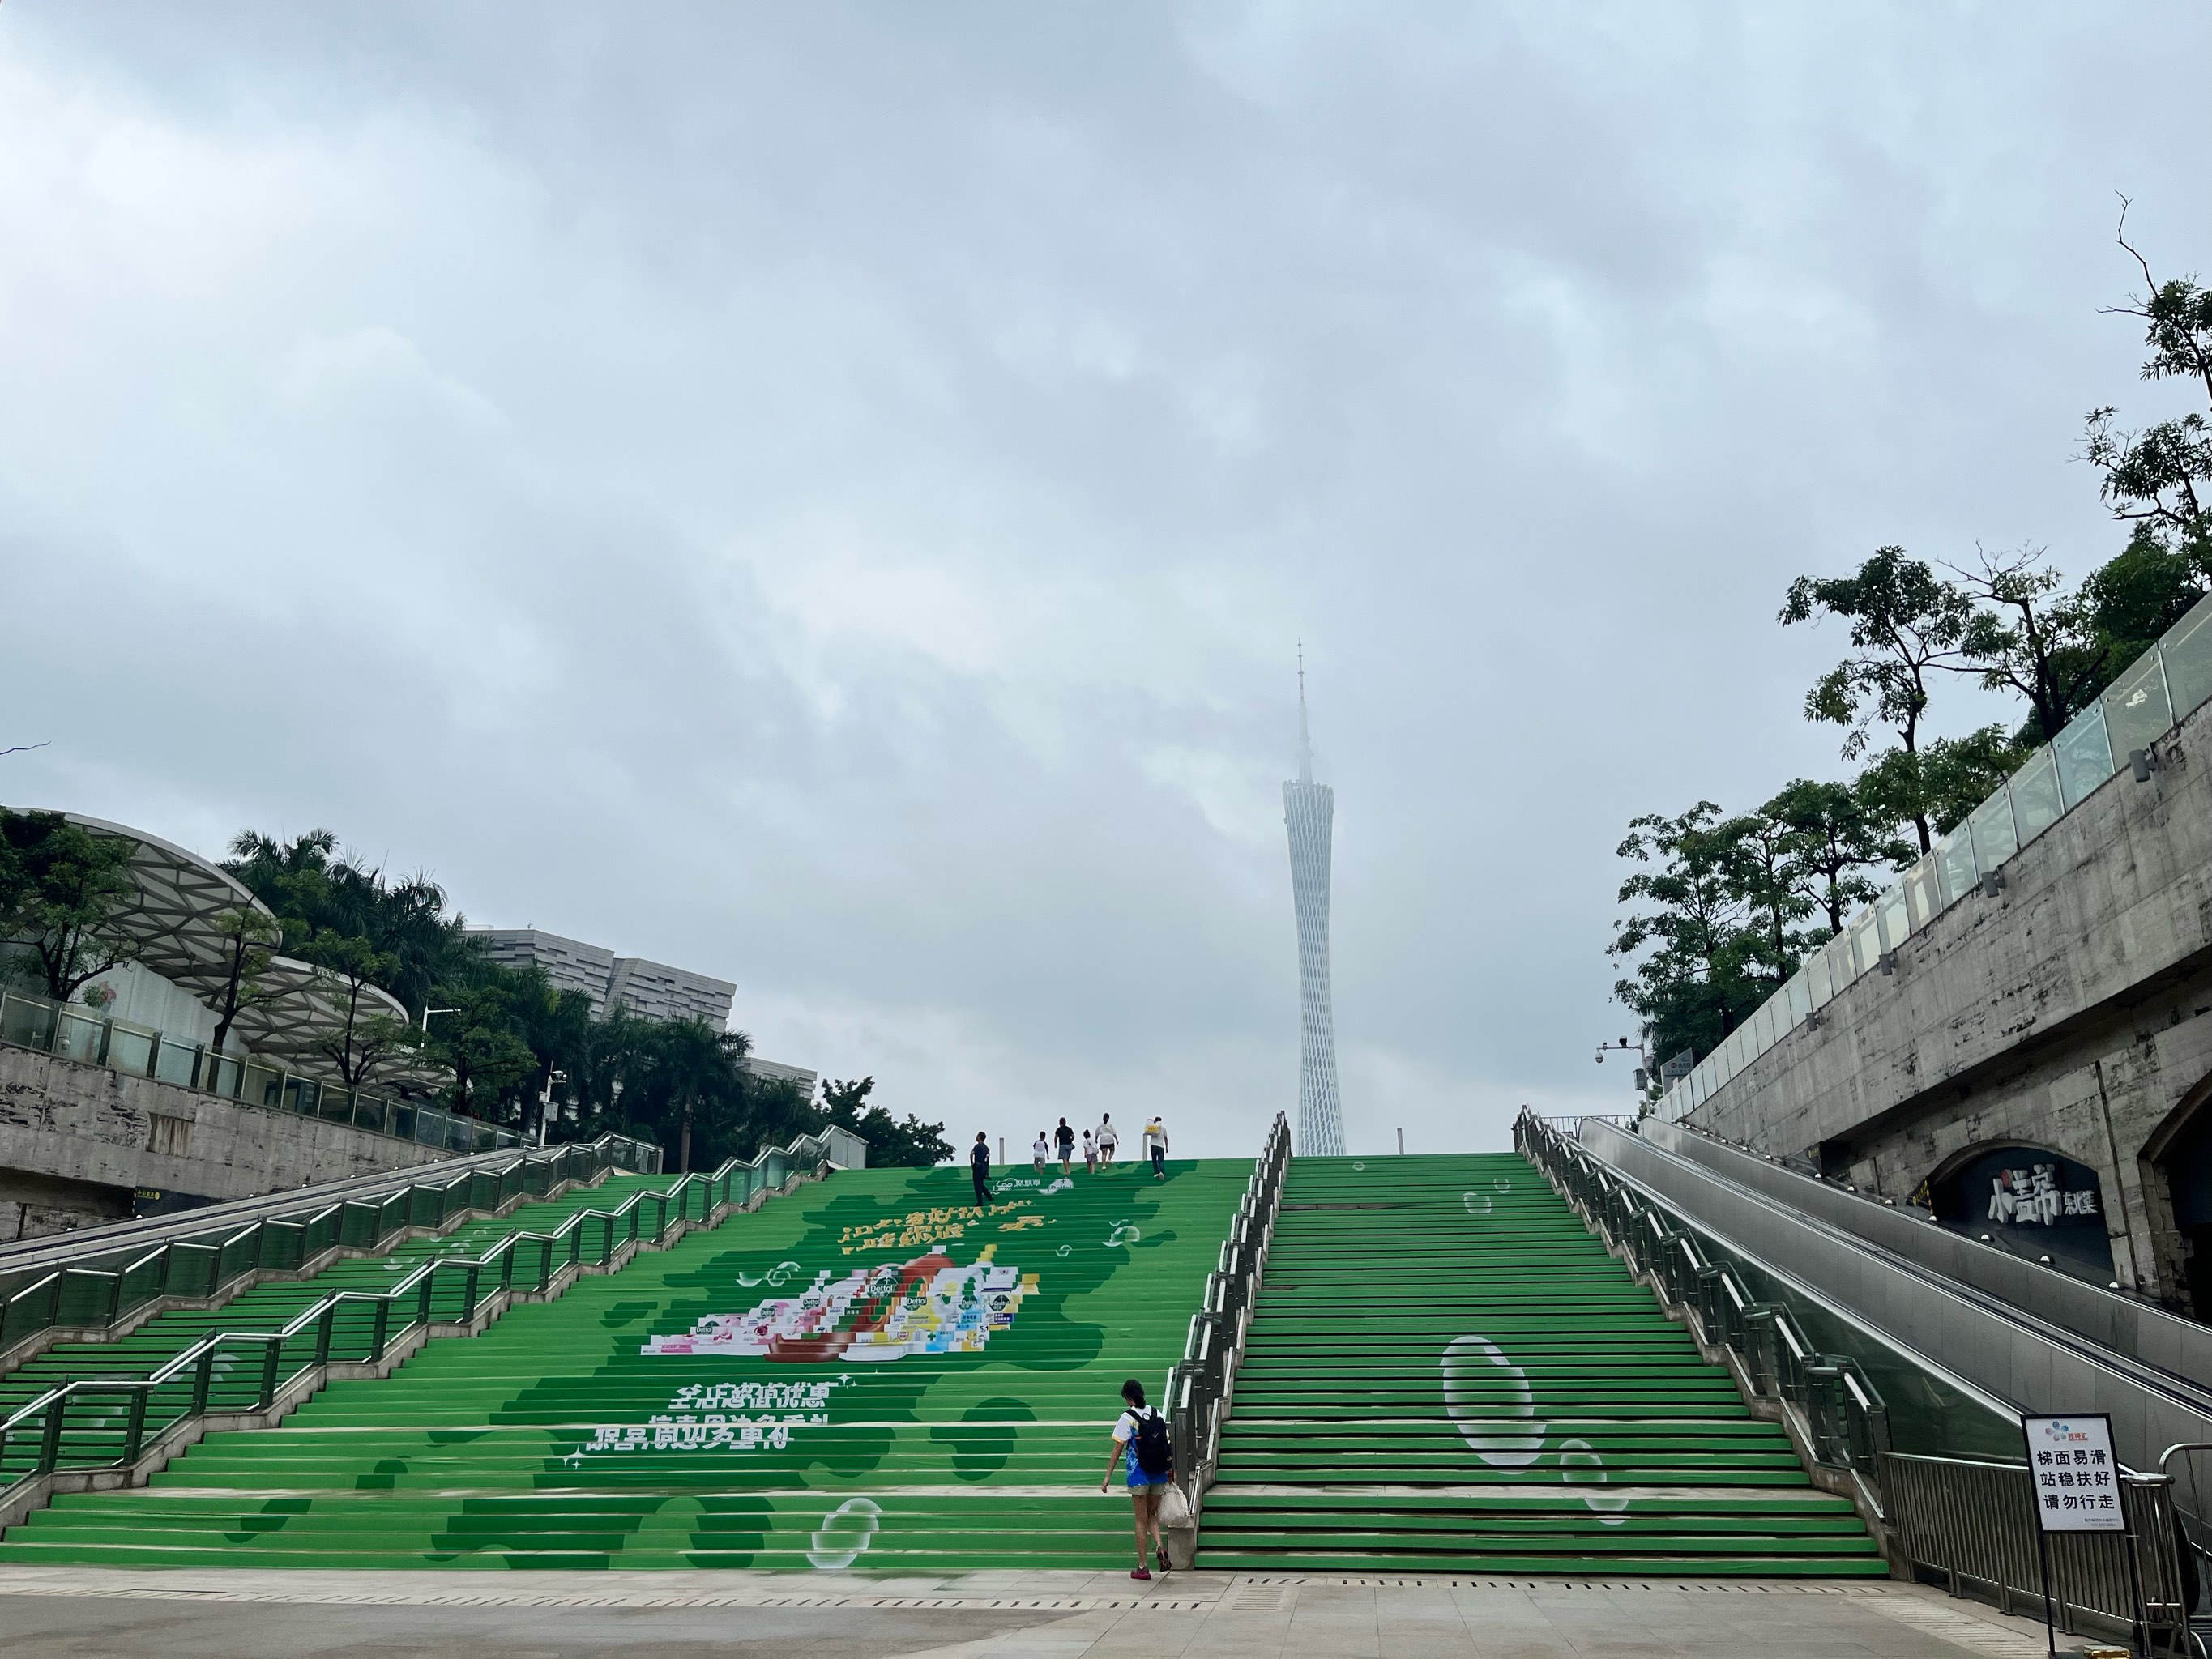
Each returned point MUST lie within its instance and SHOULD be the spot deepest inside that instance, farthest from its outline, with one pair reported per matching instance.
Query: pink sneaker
(1141, 1572)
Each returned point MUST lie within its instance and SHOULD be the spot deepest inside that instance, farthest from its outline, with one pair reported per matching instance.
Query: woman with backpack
(1140, 1441)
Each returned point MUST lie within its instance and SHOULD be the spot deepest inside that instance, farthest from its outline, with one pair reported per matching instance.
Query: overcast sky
(828, 496)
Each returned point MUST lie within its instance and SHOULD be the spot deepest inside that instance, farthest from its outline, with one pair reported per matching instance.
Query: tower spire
(1305, 742)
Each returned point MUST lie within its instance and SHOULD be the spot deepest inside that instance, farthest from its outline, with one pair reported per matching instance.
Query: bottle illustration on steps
(930, 1304)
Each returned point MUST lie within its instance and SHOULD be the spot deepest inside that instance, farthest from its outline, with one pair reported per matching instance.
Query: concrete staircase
(869, 1372)
(1447, 1373)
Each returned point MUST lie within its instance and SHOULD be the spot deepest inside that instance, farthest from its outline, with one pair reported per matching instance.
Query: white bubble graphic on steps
(845, 1533)
(1501, 1184)
(1477, 1203)
(1581, 1466)
(1491, 1403)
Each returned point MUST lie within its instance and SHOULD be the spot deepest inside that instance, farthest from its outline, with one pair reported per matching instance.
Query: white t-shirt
(1040, 1150)
(1107, 1137)
(1155, 1136)
(1125, 1426)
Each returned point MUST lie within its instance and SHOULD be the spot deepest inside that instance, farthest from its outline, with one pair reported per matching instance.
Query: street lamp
(1642, 1051)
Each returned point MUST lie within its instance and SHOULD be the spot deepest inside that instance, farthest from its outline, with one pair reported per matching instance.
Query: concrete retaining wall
(2072, 1011)
(76, 1140)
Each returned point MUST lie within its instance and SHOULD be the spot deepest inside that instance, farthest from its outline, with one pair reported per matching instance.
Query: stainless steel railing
(1201, 1384)
(1971, 1522)
(1844, 1417)
(92, 1281)
(106, 1422)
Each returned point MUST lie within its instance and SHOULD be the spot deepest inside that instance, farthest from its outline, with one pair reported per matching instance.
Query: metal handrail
(1846, 1420)
(86, 1297)
(1201, 1383)
(51, 1409)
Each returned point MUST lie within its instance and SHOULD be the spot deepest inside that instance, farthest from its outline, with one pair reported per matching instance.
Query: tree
(248, 939)
(2160, 479)
(66, 889)
(477, 1039)
(366, 1038)
(1838, 839)
(1942, 783)
(1904, 622)
(1692, 987)
(893, 1143)
(695, 1069)
(2030, 638)
(1759, 869)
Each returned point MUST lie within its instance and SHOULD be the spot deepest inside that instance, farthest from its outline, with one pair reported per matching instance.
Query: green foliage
(1697, 981)
(1904, 622)
(907, 1142)
(367, 1039)
(1839, 835)
(2160, 478)
(61, 890)
(249, 941)
(1942, 783)
(1735, 904)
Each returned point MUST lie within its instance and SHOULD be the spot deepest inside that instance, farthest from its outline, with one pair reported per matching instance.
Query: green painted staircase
(1446, 1372)
(92, 1437)
(878, 1375)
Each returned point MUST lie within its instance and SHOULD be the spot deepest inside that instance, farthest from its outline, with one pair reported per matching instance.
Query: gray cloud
(825, 495)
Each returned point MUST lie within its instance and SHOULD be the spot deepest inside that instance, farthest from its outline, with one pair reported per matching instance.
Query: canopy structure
(175, 925)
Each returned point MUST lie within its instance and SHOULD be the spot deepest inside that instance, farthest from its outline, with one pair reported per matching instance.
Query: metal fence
(1969, 1521)
(32, 1022)
(96, 1298)
(1201, 1383)
(102, 1423)
(1843, 1415)
(1972, 1523)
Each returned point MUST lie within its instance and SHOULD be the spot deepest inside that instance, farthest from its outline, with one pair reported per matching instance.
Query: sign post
(2076, 1482)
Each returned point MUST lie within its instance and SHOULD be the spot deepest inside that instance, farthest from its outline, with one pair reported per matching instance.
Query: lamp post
(1641, 1051)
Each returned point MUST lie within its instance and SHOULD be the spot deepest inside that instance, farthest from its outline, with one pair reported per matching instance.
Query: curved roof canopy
(175, 925)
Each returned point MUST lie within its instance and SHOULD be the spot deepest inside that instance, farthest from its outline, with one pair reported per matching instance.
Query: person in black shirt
(978, 1165)
(1066, 1137)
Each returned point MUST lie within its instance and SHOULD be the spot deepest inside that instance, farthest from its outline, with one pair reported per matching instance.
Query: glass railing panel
(1896, 923)
(1843, 960)
(1819, 982)
(1924, 893)
(77, 1038)
(1762, 1029)
(2188, 649)
(2085, 755)
(178, 1063)
(130, 1049)
(2036, 802)
(263, 1085)
(1996, 840)
(300, 1095)
(1954, 865)
(1866, 941)
(223, 1076)
(27, 1023)
(2137, 710)
(1800, 993)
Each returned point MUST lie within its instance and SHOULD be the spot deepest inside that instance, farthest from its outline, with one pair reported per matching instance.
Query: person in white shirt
(1156, 1143)
(1090, 1154)
(1109, 1142)
(1041, 1151)
(1138, 1425)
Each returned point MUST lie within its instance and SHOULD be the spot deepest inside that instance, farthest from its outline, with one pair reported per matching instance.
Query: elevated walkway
(1445, 1372)
(869, 1373)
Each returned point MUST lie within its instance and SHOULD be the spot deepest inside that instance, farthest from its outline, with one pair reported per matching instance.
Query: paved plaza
(985, 1615)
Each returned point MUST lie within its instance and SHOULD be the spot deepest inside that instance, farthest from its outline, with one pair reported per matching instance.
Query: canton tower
(1309, 812)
